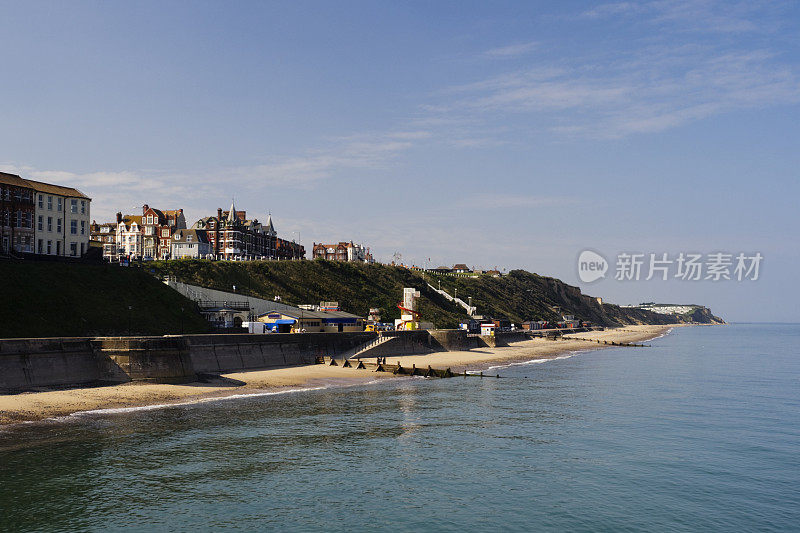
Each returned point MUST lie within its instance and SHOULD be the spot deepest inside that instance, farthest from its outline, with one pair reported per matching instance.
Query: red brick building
(157, 229)
(16, 215)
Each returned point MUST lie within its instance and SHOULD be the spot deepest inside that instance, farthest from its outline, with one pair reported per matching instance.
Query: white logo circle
(591, 266)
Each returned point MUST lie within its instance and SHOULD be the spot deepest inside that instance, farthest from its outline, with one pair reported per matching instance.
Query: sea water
(700, 432)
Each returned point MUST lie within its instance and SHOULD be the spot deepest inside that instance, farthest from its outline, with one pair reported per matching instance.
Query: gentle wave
(530, 362)
(123, 410)
(118, 410)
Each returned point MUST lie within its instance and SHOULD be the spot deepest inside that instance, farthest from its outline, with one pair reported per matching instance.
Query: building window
(73, 249)
(82, 249)
(59, 205)
(58, 225)
(83, 229)
(73, 227)
(49, 223)
(73, 206)
(41, 202)
(83, 207)
(50, 203)
(58, 247)
(49, 247)
(39, 244)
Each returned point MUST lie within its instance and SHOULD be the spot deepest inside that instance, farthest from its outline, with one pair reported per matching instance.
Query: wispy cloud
(114, 190)
(513, 50)
(660, 80)
(728, 16)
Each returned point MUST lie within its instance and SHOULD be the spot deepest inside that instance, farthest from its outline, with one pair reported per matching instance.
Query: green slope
(518, 296)
(44, 299)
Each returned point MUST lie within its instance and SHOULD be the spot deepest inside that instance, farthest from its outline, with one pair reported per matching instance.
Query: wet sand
(32, 406)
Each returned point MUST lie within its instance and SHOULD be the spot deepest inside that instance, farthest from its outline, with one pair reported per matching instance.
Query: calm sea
(701, 432)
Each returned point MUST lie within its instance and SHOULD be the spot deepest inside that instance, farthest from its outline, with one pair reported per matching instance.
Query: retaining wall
(403, 343)
(29, 364)
(226, 353)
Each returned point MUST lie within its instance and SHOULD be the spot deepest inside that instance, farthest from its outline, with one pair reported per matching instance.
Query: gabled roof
(13, 179)
(49, 188)
(130, 219)
(198, 235)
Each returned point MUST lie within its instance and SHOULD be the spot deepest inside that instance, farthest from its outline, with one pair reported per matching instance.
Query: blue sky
(497, 134)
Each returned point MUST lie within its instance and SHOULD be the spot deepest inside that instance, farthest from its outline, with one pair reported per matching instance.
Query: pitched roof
(130, 219)
(13, 179)
(302, 313)
(198, 235)
(49, 188)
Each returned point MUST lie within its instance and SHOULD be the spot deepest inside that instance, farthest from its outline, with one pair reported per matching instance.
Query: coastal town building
(42, 218)
(229, 235)
(233, 236)
(289, 250)
(342, 251)
(312, 321)
(190, 244)
(129, 236)
(148, 235)
(105, 236)
(62, 220)
(16, 215)
(158, 227)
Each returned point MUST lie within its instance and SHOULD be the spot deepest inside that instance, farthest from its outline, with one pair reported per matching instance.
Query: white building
(129, 236)
(190, 244)
(62, 220)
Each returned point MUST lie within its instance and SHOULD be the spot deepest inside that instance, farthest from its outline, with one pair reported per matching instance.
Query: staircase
(353, 353)
(471, 310)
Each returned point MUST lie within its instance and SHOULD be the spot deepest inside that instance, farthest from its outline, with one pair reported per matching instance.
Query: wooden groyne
(608, 343)
(381, 365)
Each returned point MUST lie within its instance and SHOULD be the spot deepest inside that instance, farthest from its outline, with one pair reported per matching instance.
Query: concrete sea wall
(30, 364)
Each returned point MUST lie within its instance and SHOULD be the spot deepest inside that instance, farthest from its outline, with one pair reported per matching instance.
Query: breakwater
(34, 364)
(30, 364)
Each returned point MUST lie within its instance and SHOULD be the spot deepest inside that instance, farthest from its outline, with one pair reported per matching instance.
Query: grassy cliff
(47, 299)
(44, 299)
(519, 296)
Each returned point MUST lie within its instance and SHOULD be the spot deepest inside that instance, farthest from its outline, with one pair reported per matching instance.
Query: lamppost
(130, 308)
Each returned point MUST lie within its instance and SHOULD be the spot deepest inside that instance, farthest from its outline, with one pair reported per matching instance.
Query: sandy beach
(32, 406)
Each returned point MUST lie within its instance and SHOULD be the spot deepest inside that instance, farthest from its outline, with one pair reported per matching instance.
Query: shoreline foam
(130, 397)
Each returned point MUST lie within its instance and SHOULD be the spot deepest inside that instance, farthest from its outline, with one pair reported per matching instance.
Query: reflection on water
(698, 432)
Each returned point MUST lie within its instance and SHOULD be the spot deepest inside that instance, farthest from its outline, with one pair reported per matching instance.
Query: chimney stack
(119, 218)
(219, 213)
